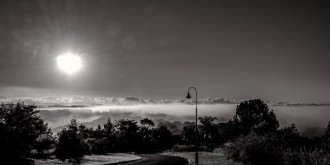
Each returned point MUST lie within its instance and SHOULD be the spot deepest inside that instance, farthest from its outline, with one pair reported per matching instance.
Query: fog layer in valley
(310, 120)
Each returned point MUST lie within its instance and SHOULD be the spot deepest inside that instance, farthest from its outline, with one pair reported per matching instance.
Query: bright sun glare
(69, 63)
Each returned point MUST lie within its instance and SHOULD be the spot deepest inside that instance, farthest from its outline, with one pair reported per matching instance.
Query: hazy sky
(276, 50)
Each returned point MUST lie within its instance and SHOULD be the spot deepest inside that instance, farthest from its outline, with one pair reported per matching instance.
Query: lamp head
(188, 96)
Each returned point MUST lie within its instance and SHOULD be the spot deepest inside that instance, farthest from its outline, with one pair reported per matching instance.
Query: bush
(285, 147)
(43, 145)
(253, 149)
(304, 156)
(97, 146)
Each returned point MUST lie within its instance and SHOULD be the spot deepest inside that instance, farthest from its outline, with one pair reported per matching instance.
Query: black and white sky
(274, 50)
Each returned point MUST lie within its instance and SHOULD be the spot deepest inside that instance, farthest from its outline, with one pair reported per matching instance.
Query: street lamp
(196, 130)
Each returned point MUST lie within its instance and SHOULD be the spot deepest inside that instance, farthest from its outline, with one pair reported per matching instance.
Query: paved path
(154, 159)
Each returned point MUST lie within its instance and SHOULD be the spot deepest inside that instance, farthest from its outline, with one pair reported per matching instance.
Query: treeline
(252, 136)
(75, 140)
(23, 134)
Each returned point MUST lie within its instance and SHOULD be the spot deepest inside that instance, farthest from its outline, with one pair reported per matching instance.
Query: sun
(69, 63)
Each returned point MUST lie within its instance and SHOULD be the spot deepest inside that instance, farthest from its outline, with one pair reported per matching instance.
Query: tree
(70, 144)
(163, 136)
(147, 122)
(188, 134)
(209, 131)
(255, 115)
(148, 141)
(326, 138)
(229, 130)
(109, 129)
(43, 143)
(20, 126)
(290, 137)
(85, 132)
(126, 134)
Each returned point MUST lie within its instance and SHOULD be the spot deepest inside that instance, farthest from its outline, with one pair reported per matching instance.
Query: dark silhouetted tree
(147, 122)
(70, 144)
(326, 138)
(110, 135)
(255, 115)
(146, 132)
(289, 137)
(228, 131)
(163, 136)
(126, 133)
(209, 131)
(98, 142)
(85, 132)
(188, 133)
(44, 143)
(20, 127)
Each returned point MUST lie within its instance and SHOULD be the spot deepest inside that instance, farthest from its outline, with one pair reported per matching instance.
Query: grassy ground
(155, 159)
(205, 158)
(93, 159)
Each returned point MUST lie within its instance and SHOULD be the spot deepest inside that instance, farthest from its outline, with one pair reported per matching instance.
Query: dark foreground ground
(153, 159)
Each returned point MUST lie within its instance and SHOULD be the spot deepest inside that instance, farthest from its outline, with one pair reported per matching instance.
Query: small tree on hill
(70, 143)
(147, 122)
(110, 135)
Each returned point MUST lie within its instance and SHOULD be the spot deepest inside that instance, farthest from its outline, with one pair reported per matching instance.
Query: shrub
(253, 149)
(43, 145)
(97, 145)
(304, 156)
(285, 147)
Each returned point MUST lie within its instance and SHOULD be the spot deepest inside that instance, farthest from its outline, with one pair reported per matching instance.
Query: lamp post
(196, 128)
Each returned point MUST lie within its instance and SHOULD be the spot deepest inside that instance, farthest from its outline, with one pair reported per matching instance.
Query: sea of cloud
(310, 120)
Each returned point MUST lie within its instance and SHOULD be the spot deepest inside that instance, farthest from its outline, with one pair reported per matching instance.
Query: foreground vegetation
(205, 158)
(252, 136)
(257, 139)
